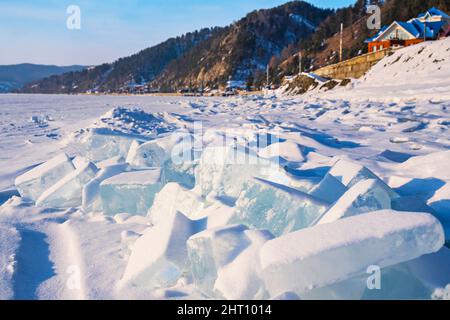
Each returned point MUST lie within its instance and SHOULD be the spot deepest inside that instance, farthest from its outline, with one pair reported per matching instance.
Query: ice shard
(159, 257)
(67, 192)
(34, 182)
(329, 253)
(131, 192)
(279, 209)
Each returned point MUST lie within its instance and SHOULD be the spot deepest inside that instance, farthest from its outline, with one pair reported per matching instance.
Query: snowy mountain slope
(243, 49)
(417, 72)
(139, 68)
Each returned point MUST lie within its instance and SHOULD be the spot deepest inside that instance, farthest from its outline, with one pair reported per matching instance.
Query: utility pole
(300, 63)
(341, 42)
(268, 77)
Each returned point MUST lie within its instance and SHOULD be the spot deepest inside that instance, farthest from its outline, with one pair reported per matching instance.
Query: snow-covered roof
(434, 12)
(410, 27)
(382, 30)
(415, 27)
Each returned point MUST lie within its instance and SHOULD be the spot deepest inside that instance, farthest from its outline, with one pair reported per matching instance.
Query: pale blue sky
(35, 30)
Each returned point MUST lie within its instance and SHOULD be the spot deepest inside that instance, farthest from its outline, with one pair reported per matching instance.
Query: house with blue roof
(431, 25)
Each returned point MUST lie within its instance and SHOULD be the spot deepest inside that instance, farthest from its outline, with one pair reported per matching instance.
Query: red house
(430, 25)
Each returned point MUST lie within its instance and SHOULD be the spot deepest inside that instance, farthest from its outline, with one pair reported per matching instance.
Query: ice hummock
(333, 252)
(136, 121)
(174, 153)
(218, 214)
(216, 252)
(329, 189)
(155, 152)
(182, 173)
(350, 173)
(224, 170)
(149, 154)
(159, 257)
(67, 192)
(131, 192)
(91, 191)
(365, 196)
(269, 206)
(33, 183)
(100, 144)
(172, 198)
(117, 130)
(241, 279)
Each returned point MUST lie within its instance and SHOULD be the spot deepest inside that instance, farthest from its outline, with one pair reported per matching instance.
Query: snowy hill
(421, 72)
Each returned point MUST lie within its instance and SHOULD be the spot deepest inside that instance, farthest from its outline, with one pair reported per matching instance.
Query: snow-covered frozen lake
(23, 142)
(336, 160)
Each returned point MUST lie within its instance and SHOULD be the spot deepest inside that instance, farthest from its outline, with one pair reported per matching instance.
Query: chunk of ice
(100, 144)
(350, 289)
(268, 206)
(224, 170)
(91, 191)
(131, 192)
(329, 189)
(241, 279)
(67, 192)
(211, 250)
(34, 182)
(329, 253)
(365, 196)
(174, 153)
(218, 214)
(398, 283)
(173, 198)
(149, 154)
(349, 174)
(159, 256)
(182, 173)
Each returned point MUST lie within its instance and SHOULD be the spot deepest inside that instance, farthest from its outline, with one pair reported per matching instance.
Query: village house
(431, 25)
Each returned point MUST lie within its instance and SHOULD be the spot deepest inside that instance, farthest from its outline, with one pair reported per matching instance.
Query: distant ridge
(14, 77)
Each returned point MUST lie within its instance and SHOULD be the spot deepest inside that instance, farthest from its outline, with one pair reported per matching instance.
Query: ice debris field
(258, 197)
